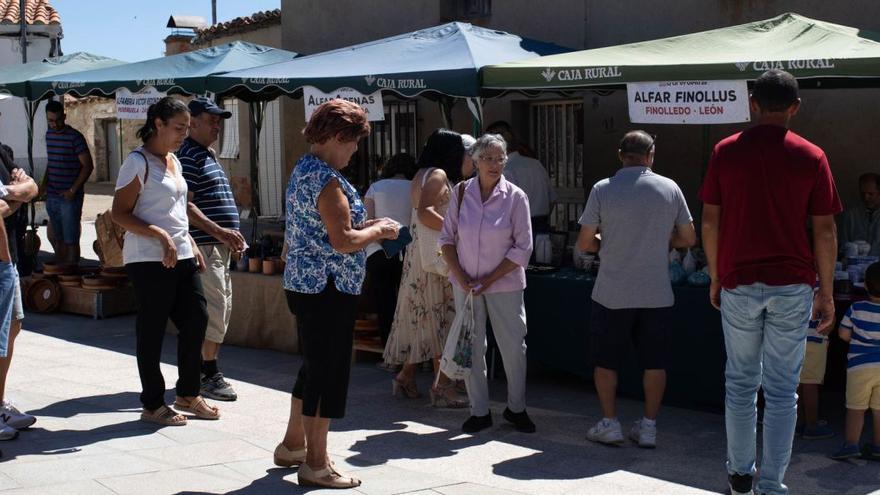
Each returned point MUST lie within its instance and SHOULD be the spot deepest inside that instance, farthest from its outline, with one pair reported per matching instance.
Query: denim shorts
(9, 287)
(65, 217)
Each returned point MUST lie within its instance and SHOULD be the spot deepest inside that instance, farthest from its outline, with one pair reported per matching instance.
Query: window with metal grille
(398, 133)
(557, 140)
(271, 175)
(230, 141)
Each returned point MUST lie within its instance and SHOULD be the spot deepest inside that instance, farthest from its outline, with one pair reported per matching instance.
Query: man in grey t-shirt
(638, 215)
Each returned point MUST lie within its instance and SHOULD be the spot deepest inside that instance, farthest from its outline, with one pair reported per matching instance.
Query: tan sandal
(285, 457)
(328, 477)
(164, 416)
(446, 396)
(198, 407)
(407, 389)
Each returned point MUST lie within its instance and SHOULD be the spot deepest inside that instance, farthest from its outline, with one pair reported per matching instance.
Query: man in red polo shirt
(762, 187)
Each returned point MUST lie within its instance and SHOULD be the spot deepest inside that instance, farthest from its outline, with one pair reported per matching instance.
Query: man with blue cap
(214, 225)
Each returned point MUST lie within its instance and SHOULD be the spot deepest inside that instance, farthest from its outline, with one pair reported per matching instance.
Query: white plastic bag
(689, 263)
(458, 359)
(674, 256)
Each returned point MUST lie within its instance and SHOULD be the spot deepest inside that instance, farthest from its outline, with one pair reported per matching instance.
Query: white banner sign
(688, 102)
(133, 106)
(371, 103)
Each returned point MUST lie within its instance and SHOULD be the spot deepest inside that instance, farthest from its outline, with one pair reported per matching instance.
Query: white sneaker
(607, 432)
(643, 434)
(12, 417)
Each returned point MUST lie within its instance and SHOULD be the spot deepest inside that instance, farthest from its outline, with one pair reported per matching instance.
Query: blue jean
(764, 334)
(65, 217)
(8, 285)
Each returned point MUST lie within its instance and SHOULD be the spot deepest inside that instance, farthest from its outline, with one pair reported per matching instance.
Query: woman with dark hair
(326, 233)
(388, 197)
(163, 263)
(425, 305)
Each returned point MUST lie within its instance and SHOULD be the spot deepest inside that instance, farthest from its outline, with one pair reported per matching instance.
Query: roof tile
(237, 25)
(36, 12)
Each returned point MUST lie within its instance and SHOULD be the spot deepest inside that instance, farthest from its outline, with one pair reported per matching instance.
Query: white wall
(13, 118)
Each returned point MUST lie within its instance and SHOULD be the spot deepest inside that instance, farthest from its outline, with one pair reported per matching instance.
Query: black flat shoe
(520, 421)
(477, 423)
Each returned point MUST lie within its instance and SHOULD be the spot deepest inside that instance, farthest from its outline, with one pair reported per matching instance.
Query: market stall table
(558, 312)
(260, 317)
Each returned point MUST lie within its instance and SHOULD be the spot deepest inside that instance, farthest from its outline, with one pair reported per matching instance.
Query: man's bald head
(637, 147)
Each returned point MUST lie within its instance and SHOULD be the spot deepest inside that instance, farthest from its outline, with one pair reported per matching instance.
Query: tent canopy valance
(182, 73)
(819, 53)
(440, 61)
(14, 79)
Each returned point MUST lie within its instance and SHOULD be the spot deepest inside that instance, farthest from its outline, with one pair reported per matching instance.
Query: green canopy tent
(183, 73)
(14, 81)
(818, 53)
(440, 62)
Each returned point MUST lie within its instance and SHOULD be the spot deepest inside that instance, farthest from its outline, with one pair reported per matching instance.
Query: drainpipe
(22, 17)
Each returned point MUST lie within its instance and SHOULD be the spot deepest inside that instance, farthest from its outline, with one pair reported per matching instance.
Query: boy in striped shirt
(861, 328)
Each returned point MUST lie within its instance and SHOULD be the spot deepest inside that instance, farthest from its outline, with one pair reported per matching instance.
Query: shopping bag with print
(458, 359)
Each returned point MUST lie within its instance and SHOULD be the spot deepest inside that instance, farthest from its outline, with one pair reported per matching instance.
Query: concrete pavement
(79, 377)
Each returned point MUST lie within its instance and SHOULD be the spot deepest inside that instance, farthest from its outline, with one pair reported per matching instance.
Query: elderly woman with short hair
(487, 241)
(326, 233)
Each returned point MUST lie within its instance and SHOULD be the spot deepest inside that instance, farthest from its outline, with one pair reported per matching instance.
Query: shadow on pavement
(690, 450)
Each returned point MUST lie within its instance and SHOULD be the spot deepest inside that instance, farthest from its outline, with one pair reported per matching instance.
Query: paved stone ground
(79, 377)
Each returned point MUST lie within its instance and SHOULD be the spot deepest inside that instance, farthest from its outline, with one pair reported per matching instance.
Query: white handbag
(429, 250)
(429, 241)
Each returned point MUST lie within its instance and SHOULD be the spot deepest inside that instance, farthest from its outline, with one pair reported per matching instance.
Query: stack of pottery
(57, 269)
(69, 280)
(113, 275)
(98, 282)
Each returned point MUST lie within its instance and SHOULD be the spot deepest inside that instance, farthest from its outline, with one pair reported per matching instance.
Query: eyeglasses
(501, 160)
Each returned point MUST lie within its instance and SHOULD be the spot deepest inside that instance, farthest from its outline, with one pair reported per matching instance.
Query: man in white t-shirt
(528, 174)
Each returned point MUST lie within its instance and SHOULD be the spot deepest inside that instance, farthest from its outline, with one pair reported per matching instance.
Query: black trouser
(164, 293)
(325, 323)
(385, 276)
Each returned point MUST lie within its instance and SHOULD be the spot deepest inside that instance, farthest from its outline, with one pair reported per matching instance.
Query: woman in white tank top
(163, 263)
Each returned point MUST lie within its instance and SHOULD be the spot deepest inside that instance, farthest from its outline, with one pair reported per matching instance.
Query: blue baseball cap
(204, 104)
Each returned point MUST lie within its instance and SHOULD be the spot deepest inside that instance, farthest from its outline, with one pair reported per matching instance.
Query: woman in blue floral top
(326, 234)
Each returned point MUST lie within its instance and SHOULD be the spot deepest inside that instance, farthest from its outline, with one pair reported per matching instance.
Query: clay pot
(255, 265)
(279, 265)
(268, 266)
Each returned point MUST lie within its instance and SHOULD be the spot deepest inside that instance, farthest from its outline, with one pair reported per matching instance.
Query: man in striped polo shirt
(69, 167)
(214, 225)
